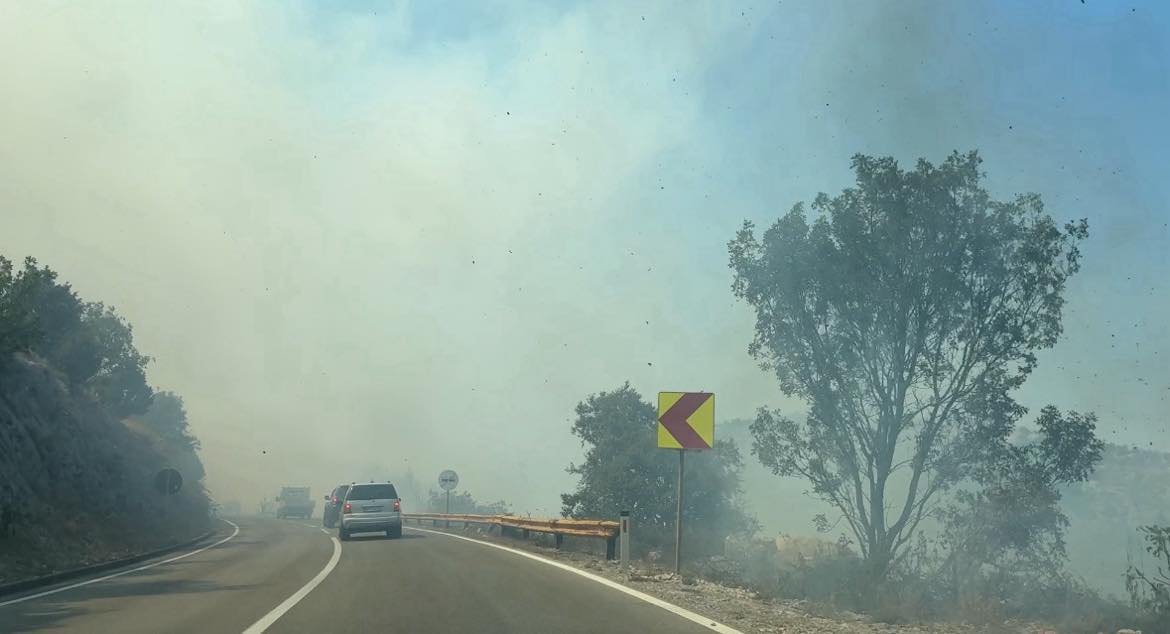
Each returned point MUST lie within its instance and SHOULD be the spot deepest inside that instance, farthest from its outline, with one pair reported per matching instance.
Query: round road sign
(168, 482)
(448, 479)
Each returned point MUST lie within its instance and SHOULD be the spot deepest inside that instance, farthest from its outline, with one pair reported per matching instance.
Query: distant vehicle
(333, 503)
(294, 502)
(371, 508)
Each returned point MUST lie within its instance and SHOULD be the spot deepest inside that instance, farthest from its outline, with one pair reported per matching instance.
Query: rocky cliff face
(76, 485)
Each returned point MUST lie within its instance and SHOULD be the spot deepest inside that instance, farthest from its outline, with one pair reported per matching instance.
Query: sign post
(448, 479)
(678, 515)
(686, 420)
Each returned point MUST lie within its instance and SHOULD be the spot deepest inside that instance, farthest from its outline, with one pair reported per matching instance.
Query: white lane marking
(268, 619)
(669, 607)
(235, 531)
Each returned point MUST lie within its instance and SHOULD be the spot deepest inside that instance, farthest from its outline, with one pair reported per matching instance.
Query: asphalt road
(423, 582)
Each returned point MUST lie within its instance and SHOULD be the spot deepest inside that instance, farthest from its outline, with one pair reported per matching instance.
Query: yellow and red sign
(686, 420)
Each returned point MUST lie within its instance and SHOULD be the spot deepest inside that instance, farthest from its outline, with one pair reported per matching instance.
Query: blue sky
(438, 226)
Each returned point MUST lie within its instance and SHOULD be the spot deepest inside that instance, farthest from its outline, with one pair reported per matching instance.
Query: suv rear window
(339, 492)
(372, 492)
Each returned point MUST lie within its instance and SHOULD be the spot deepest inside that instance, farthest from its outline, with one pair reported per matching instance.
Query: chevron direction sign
(686, 420)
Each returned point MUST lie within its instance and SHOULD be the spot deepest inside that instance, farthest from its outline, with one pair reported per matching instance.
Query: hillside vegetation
(82, 435)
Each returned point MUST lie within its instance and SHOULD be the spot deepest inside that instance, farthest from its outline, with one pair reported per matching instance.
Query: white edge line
(267, 620)
(665, 605)
(235, 531)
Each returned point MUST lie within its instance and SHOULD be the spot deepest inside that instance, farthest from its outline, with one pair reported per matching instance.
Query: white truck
(294, 502)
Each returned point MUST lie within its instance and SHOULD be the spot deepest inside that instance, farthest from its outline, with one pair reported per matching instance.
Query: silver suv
(371, 508)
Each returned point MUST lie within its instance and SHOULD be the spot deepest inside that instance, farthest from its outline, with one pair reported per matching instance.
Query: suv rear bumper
(370, 524)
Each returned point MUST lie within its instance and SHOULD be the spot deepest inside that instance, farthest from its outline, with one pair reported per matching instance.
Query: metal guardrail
(559, 527)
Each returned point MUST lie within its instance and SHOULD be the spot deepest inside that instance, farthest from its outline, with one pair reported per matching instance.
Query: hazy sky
(418, 234)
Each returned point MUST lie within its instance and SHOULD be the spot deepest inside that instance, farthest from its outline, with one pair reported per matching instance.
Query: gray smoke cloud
(369, 241)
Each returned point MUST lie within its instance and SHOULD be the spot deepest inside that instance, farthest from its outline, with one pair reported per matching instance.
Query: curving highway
(290, 576)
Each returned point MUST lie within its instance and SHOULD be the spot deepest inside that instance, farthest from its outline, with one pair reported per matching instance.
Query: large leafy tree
(120, 379)
(904, 315)
(18, 323)
(166, 416)
(88, 342)
(623, 470)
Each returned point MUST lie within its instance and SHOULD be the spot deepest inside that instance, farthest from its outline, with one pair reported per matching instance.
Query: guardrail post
(560, 539)
(624, 534)
(610, 546)
(524, 533)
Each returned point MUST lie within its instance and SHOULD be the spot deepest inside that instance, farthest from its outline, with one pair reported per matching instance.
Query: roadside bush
(747, 563)
(991, 596)
(831, 574)
(463, 503)
(1071, 606)
(1149, 587)
(789, 568)
(830, 577)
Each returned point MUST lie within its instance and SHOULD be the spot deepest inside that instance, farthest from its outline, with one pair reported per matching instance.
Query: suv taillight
(397, 505)
(335, 500)
(348, 508)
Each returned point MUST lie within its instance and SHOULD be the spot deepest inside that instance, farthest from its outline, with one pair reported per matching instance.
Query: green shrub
(1149, 589)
